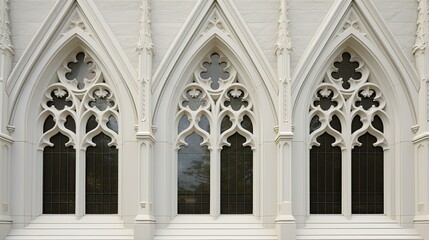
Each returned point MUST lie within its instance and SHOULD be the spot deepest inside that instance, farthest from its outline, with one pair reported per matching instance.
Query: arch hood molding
(218, 25)
(71, 24)
(357, 24)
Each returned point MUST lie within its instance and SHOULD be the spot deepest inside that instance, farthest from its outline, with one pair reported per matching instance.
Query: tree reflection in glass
(194, 177)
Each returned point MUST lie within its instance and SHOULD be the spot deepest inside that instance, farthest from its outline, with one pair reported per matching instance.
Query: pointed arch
(230, 35)
(71, 24)
(388, 63)
(214, 26)
(355, 26)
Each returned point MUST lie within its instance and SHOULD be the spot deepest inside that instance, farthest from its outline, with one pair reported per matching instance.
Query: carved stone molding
(145, 32)
(5, 40)
(283, 39)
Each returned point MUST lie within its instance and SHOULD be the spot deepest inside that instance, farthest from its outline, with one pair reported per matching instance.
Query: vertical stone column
(6, 56)
(145, 222)
(421, 139)
(285, 221)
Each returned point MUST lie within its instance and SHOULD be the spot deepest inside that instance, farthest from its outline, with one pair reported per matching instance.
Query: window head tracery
(347, 94)
(80, 95)
(203, 109)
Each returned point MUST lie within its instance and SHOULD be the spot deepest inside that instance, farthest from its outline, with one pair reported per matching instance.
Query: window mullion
(80, 182)
(215, 182)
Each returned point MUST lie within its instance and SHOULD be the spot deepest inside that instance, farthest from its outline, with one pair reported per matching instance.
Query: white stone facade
(148, 53)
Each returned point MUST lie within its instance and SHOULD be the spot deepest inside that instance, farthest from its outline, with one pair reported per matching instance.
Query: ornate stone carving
(359, 100)
(145, 32)
(80, 95)
(223, 108)
(5, 40)
(283, 39)
(422, 27)
(215, 20)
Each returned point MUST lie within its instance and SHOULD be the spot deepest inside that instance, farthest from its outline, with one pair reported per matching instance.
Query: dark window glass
(101, 177)
(59, 177)
(378, 123)
(204, 123)
(215, 70)
(315, 124)
(236, 177)
(101, 100)
(49, 123)
(236, 100)
(112, 124)
(325, 99)
(80, 70)
(336, 123)
(247, 124)
(70, 124)
(225, 124)
(194, 99)
(356, 124)
(346, 70)
(183, 124)
(194, 177)
(59, 99)
(367, 177)
(325, 177)
(91, 124)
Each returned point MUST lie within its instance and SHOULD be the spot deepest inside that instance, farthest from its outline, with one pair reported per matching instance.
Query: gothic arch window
(81, 115)
(347, 140)
(215, 141)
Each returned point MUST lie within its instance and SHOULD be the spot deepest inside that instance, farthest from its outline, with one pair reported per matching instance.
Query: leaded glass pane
(59, 177)
(236, 177)
(101, 177)
(367, 177)
(325, 177)
(193, 177)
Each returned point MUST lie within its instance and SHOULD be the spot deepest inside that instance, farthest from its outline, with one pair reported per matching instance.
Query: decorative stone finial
(283, 40)
(422, 26)
(145, 32)
(5, 42)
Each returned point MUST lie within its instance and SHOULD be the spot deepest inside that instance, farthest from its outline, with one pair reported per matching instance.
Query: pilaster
(421, 140)
(145, 222)
(285, 221)
(6, 141)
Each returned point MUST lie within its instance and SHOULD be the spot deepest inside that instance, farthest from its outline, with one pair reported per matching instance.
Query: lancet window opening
(80, 113)
(215, 141)
(347, 133)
